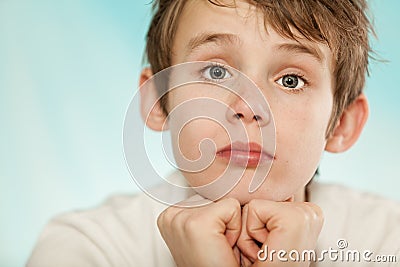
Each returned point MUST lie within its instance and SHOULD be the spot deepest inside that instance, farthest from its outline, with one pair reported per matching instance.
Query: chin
(267, 191)
(244, 197)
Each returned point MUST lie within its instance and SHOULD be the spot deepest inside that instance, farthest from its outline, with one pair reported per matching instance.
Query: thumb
(229, 213)
(246, 243)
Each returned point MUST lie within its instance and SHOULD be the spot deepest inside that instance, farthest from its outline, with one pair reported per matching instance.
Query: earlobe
(152, 114)
(349, 126)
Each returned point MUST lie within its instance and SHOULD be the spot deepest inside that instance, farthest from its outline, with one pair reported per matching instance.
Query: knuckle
(177, 221)
(167, 215)
(310, 214)
(170, 218)
(312, 206)
(232, 202)
(253, 204)
(315, 210)
(163, 218)
(251, 231)
(241, 243)
(160, 221)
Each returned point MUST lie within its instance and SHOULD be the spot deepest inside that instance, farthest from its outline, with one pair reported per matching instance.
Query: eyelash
(211, 65)
(294, 90)
(288, 90)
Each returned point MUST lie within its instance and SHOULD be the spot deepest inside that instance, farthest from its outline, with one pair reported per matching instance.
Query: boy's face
(295, 78)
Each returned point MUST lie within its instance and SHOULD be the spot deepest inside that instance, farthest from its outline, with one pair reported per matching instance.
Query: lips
(245, 154)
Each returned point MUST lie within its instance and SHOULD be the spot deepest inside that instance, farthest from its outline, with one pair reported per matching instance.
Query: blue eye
(216, 73)
(291, 81)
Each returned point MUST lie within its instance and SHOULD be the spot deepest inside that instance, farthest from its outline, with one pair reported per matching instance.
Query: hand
(280, 226)
(203, 236)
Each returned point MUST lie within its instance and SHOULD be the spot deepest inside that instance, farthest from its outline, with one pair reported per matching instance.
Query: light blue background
(68, 70)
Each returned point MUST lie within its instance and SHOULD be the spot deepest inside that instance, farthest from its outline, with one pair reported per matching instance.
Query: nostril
(257, 117)
(238, 115)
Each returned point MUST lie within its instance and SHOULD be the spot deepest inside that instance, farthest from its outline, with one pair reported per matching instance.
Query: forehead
(205, 24)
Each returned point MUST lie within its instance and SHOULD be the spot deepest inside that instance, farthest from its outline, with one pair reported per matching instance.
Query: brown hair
(341, 24)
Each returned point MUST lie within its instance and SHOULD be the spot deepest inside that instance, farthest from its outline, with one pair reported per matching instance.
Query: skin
(223, 233)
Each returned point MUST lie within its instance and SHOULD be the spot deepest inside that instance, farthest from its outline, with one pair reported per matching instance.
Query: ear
(152, 114)
(349, 127)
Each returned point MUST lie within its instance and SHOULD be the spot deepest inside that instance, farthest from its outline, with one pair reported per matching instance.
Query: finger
(245, 243)
(290, 199)
(167, 216)
(316, 215)
(316, 210)
(166, 220)
(281, 223)
(224, 216)
(228, 213)
(259, 213)
(170, 215)
(244, 261)
(236, 252)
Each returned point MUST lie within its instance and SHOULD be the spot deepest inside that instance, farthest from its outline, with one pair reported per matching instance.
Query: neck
(300, 195)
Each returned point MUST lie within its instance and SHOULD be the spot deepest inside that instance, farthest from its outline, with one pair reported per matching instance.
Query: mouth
(245, 154)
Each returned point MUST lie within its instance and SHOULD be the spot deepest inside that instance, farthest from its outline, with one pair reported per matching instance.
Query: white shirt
(123, 231)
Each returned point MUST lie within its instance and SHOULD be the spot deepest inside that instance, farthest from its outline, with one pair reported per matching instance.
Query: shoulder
(120, 232)
(117, 233)
(336, 198)
(337, 195)
(365, 220)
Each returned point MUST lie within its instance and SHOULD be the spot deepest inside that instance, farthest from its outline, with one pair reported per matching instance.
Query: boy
(308, 59)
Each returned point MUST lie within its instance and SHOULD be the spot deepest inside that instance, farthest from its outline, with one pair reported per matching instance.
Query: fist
(279, 226)
(203, 236)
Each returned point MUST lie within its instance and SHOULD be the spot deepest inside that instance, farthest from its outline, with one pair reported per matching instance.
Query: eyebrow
(299, 48)
(224, 39)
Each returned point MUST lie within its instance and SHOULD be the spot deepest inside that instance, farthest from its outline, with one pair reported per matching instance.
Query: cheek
(194, 151)
(192, 134)
(300, 144)
(195, 138)
(301, 131)
(195, 144)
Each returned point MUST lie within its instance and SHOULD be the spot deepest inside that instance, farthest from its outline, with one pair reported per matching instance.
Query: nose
(247, 111)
